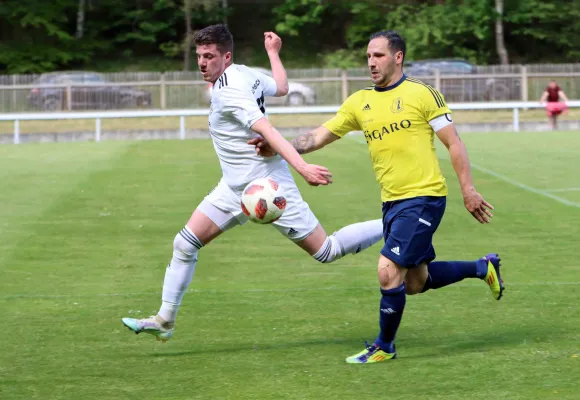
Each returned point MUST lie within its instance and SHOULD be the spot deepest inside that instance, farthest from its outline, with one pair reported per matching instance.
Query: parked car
(299, 94)
(96, 94)
(468, 89)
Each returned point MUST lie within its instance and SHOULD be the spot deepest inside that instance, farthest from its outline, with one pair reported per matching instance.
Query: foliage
(446, 28)
(343, 59)
(38, 37)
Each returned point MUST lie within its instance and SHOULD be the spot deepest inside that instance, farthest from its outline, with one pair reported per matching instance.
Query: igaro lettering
(378, 134)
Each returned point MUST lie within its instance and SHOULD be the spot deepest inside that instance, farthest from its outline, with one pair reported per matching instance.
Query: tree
(206, 10)
(187, 41)
(80, 19)
(36, 39)
(499, 39)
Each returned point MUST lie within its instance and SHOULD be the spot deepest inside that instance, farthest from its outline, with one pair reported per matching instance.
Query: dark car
(88, 91)
(465, 89)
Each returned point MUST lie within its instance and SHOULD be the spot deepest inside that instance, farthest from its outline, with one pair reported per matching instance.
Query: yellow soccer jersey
(395, 122)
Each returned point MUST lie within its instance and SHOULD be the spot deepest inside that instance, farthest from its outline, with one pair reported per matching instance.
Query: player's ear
(399, 57)
(228, 56)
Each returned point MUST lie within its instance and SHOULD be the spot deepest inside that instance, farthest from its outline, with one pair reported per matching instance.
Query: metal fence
(98, 116)
(85, 90)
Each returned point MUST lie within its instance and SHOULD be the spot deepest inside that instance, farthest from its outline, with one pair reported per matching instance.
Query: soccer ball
(263, 201)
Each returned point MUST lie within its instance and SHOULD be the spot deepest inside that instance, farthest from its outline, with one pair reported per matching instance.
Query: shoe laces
(370, 347)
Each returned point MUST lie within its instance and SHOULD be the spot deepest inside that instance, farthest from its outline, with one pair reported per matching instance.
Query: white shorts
(223, 206)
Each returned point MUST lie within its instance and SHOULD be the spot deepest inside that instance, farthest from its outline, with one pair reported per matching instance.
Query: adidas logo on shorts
(396, 250)
(292, 231)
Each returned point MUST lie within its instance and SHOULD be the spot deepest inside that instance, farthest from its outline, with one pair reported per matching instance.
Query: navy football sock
(443, 273)
(391, 312)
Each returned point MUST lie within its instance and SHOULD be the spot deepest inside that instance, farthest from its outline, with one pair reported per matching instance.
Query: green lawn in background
(86, 230)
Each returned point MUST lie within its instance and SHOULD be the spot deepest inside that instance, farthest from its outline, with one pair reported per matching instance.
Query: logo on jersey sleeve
(397, 105)
(256, 84)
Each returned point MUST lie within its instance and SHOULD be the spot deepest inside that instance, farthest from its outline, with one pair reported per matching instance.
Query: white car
(299, 94)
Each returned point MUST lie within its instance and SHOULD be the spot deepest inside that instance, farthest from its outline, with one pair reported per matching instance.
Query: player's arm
(313, 174)
(435, 111)
(273, 44)
(544, 96)
(343, 122)
(313, 140)
(474, 202)
(238, 104)
(303, 143)
(562, 95)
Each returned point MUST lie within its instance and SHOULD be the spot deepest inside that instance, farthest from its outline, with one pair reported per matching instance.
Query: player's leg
(434, 275)
(199, 231)
(299, 224)
(408, 228)
(391, 277)
(438, 274)
(217, 213)
(350, 239)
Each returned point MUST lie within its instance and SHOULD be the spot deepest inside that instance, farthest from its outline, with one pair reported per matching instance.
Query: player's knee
(186, 245)
(390, 275)
(329, 251)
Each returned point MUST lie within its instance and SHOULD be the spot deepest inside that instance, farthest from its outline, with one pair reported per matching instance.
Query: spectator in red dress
(554, 106)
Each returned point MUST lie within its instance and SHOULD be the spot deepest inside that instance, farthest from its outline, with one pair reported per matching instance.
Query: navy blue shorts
(408, 228)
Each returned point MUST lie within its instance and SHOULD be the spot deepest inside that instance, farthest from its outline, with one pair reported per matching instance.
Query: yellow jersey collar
(394, 85)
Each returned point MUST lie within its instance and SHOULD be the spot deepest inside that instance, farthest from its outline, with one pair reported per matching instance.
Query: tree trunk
(81, 19)
(188, 35)
(225, 7)
(499, 39)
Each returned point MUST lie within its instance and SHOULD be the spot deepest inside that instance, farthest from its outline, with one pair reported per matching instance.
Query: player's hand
(315, 175)
(262, 147)
(477, 206)
(272, 42)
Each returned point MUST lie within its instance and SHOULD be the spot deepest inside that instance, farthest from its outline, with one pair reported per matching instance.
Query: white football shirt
(237, 102)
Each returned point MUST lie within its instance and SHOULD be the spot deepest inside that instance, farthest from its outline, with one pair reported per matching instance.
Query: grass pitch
(86, 231)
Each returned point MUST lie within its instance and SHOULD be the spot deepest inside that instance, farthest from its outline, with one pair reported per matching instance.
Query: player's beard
(385, 75)
(389, 74)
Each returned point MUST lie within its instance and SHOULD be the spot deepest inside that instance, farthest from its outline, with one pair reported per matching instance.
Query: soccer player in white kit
(237, 115)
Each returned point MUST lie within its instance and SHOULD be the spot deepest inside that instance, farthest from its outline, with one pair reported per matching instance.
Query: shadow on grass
(432, 346)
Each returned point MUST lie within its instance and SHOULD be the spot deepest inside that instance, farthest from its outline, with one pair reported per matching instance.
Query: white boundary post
(182, 127)
(97, 130)
(16, 131)
(516, 121)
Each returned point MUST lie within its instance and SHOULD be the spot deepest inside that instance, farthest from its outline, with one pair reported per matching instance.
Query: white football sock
(350, 240)
(179, 273)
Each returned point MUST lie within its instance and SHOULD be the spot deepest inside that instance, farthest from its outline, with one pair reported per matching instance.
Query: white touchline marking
(564, 190)
(259, 290)
(505, 179)
(525, 187)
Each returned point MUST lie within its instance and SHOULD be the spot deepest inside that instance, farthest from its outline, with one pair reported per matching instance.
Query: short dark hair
(396, 42)
(215, 34)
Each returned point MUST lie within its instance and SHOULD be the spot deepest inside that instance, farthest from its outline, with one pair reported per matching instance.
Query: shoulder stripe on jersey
(436, 95)
(226, 79)
(438, 99)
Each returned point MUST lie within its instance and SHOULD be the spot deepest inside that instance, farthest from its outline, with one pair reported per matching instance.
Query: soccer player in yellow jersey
(399, 117)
